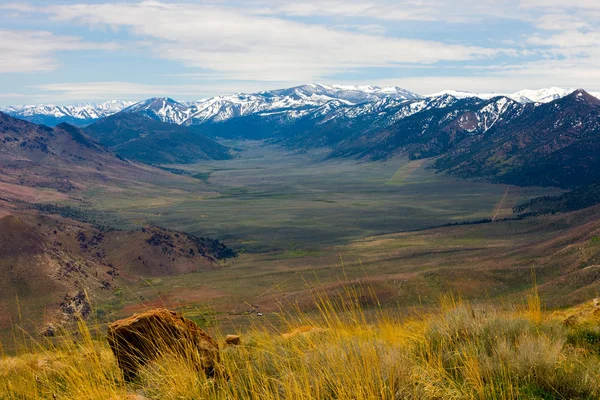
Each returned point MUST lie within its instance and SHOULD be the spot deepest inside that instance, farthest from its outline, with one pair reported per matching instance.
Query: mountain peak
(582, 95)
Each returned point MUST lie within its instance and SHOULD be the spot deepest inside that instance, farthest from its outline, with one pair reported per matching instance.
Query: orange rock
(144, 337)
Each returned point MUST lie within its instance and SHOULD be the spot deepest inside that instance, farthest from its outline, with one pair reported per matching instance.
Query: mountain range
(531, 137)
(221, 108)
(78, 114)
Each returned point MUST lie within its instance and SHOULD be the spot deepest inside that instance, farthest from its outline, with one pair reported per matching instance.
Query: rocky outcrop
(142, 338)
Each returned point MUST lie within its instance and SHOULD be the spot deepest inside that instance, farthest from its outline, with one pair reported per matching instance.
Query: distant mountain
(429, 129)
(52, 115)
(222, 108)
(289, 103)
(553, 144)
(498, 139)
(523, 96)
(136, 137)
(531, 137)
(541, 95)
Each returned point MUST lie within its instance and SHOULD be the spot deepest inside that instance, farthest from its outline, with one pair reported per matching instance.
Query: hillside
(135, 137)
(553, 144)
(577, 199)
(39, 164)
(37, 160)
(429, 130)
(457, 351)
(48, 262)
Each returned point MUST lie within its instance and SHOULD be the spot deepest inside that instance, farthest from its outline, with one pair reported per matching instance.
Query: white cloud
(101, 91)
(560, 22)
(509, 78)
(561, 4)
(32, 51)
(250, 45)
(20, 7)
(369, 29)
(394, 11)
(243, 46)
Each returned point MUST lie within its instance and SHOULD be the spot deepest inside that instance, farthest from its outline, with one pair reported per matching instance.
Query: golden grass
(461, 351)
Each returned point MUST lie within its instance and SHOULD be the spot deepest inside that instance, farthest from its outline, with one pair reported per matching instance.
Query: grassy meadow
(269, 199)
(349, 348)
(300, 222)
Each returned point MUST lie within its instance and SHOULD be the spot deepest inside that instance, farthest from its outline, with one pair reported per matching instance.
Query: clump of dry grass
(459, 352)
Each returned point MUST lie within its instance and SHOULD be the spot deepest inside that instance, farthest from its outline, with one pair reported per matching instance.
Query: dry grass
(459, 352)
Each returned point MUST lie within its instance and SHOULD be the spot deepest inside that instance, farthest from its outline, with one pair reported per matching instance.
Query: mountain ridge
(221, 108)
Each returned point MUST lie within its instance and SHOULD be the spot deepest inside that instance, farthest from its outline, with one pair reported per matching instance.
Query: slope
(553, 144)
(39, 163)
(55, 266)
(136, 137)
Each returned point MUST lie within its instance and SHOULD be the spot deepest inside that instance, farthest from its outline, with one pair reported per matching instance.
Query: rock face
(144, 337)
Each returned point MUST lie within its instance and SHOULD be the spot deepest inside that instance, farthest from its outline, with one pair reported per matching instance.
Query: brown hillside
(63, 158)
(54, 265)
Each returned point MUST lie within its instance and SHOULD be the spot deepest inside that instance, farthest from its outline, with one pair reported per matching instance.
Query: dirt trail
(499, 206)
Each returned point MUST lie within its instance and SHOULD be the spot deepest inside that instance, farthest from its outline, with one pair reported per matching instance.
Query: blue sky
(77, 51)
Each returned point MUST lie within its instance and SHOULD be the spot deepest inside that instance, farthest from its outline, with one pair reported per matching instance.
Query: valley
(414, 196)
(301, 224)
(271, 199)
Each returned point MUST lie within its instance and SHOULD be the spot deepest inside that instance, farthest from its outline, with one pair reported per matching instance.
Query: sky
(64, 52)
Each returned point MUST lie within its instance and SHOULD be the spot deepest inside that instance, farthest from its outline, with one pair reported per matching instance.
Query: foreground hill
(56, 266)
(459, 351)
(136, 137)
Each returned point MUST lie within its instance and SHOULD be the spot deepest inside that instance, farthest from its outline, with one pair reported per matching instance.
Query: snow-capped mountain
(541, 95)
(338, 101)
(523, 96)
(221, 108)
(162, 109)
(79, 114)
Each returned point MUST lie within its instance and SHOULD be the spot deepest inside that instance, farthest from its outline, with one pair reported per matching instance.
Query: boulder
(234, 340)
(142, 338)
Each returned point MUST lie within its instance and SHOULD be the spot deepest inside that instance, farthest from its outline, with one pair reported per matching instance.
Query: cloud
(370, 29)
(560, 22)
(509, 78)
(101, 91)
(393, 11)
(243, 45)
(561, 4)
(33, 51)
(20, 7)
(250, 45)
